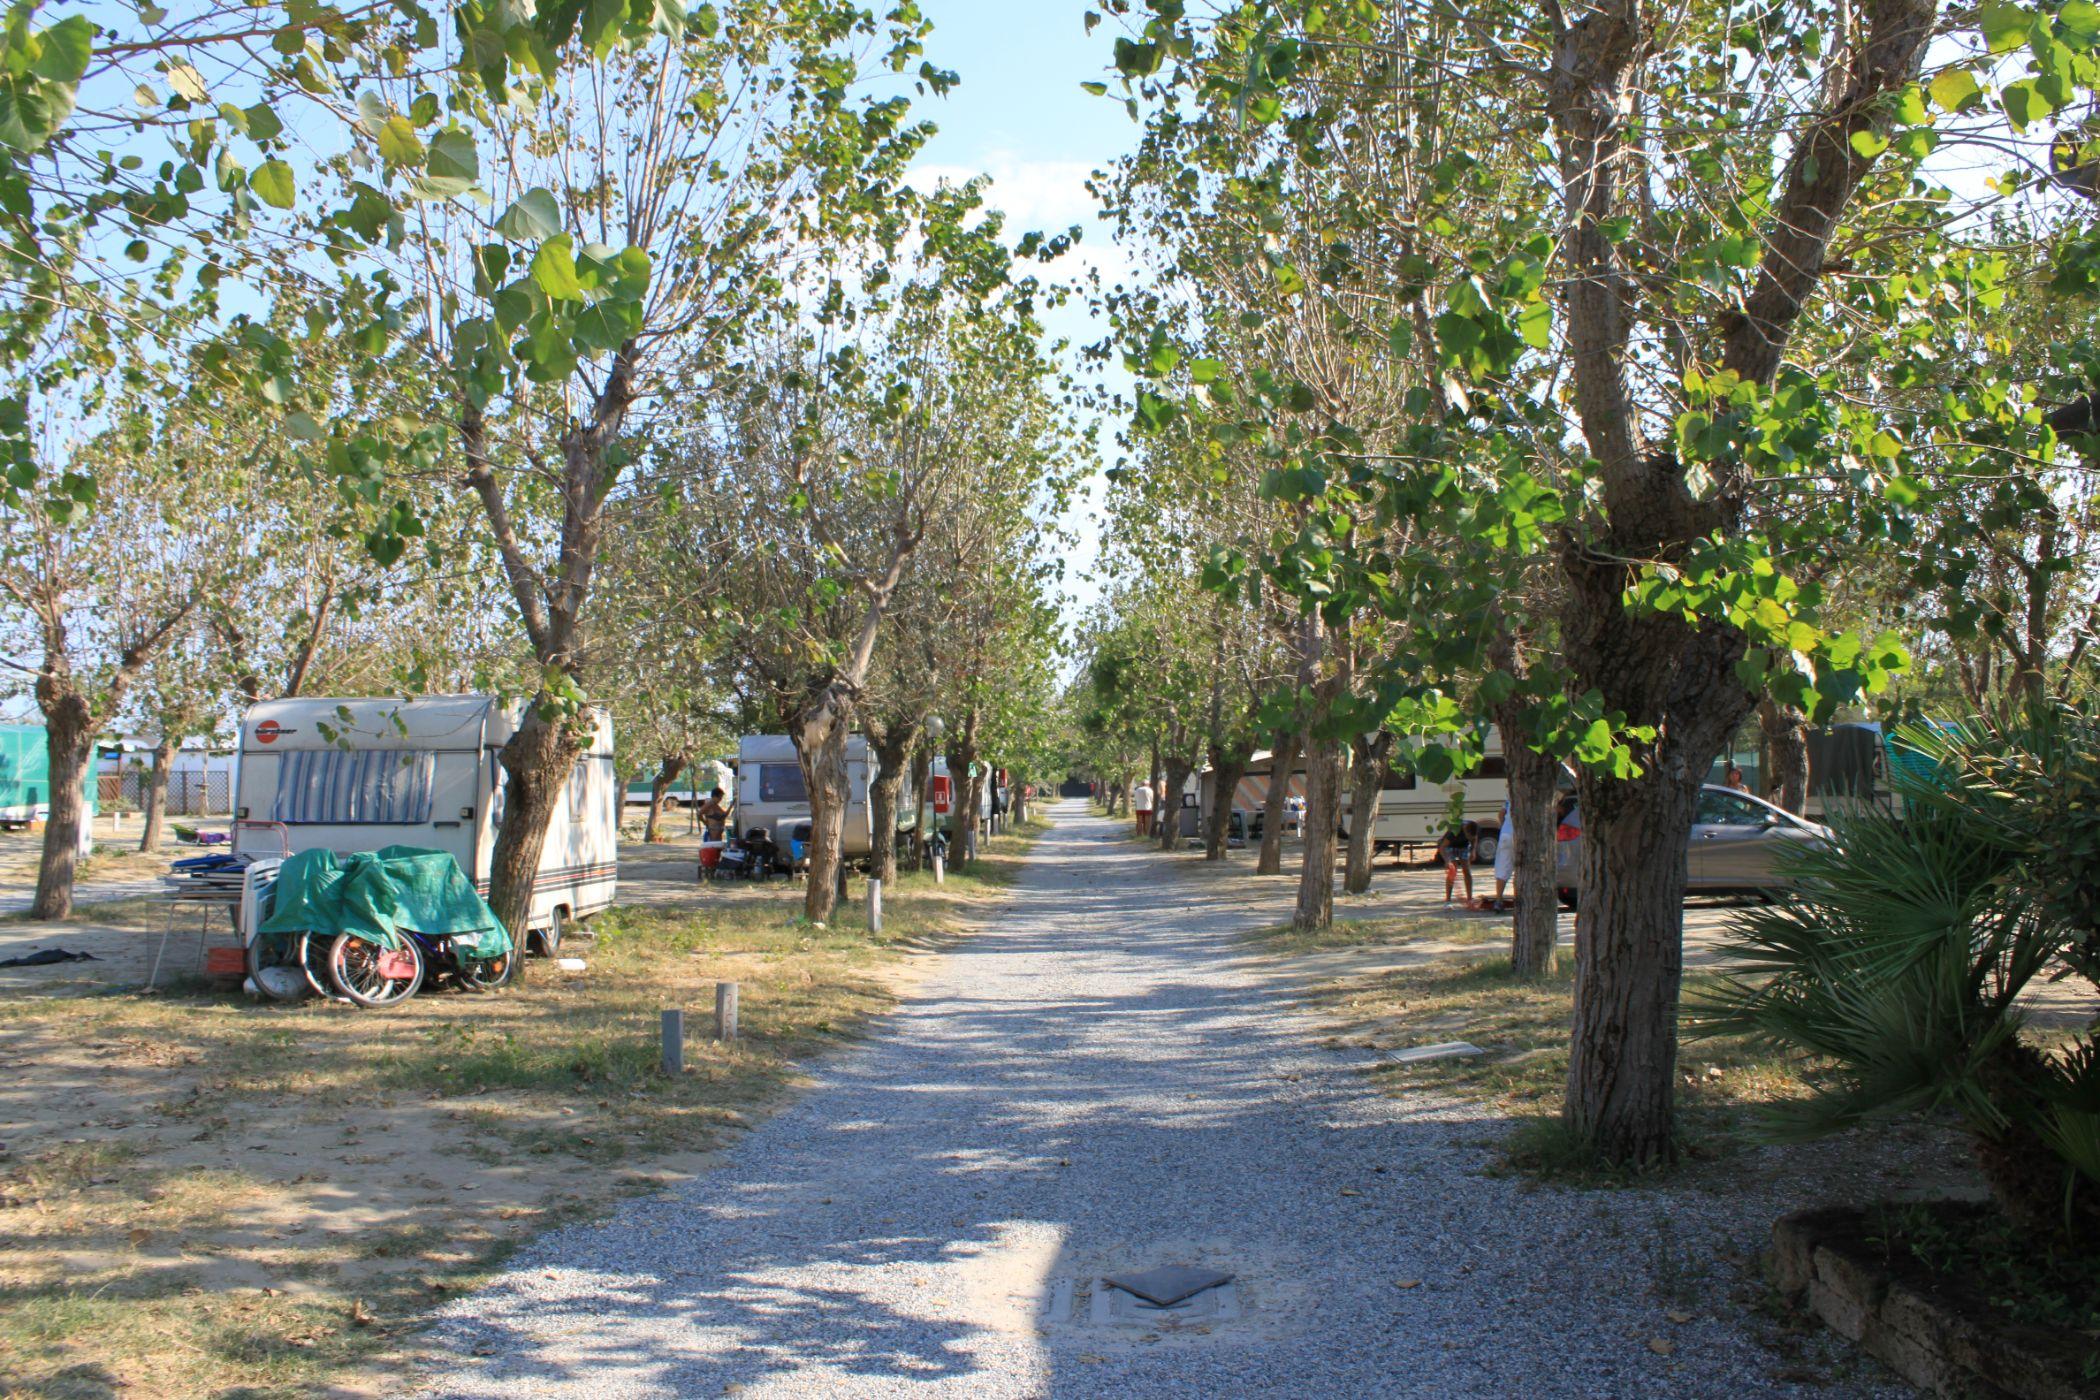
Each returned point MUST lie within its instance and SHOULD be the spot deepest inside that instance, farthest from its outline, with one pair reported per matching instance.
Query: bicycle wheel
(274, 966)
(374, 976)
(313, 961)
(487, 974)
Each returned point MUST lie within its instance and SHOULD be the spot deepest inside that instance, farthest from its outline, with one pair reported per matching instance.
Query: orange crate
(225, 962)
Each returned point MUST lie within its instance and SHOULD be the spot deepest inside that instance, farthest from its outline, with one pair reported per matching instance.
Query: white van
(770, 792)
(358, 775)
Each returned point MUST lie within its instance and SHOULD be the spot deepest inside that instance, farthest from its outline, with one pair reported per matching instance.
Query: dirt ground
(202, 1195)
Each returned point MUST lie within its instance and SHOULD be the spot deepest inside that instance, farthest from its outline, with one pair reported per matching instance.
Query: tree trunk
(666, 774)
(962, 757)
(1166, 807)
(537, 761)
(1786, 746)
(1283, 757)
(820, 742)
(69, 746)
(921, 770)
(157, 795)
(1532, 789)
(1629, 962)
(1323, 781)
(890, 748)
(1227, 767)
(1366, 781)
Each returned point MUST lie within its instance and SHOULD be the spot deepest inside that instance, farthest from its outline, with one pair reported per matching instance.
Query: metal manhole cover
(1169, 1284)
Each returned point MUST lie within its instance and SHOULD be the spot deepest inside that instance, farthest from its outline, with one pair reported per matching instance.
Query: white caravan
(1411, 809)
(358, 775)
(771, 794)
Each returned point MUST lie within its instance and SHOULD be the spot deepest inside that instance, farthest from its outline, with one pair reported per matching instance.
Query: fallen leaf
(1351, 1191)
(139, 1237)
(1661, 1346)
(1093, 1360)
(1680, 1317)
(1407, 1283)
(360, 1315)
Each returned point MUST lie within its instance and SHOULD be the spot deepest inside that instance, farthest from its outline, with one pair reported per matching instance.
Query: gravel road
(1097, 1083)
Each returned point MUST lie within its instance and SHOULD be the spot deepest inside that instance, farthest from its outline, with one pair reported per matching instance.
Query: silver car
(1736, 848)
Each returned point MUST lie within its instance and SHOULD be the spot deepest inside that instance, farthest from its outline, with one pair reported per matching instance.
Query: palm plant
(1903, 962)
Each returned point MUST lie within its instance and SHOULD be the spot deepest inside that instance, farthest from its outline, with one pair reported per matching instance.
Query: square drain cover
(1169, 1284)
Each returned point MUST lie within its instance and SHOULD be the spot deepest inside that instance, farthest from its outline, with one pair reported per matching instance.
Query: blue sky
(1019, 116)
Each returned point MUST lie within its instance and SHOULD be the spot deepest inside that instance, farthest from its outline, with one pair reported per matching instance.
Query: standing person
(714, 816)
(1735, 779)
(1141, 804)
(1505, 854)
(1455, 850)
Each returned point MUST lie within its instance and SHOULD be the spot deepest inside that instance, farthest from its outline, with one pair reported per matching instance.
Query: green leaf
(533, 217)
(1401, 337)
(64, 50)
(1955, 89)
(554, 270)
(262, 122)
(2004, 26)
(398, 142)
(274, 185)
(2079, 22)
(1535, 324)
(1868, 143)
(1910, 106)
(453, 157)
(2024, 103)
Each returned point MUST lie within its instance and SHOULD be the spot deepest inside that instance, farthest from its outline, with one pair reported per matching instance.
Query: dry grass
(207, 1197)
(1401, 930)
(1524, 1027)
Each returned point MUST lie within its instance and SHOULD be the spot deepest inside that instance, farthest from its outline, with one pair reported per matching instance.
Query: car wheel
(1484, 850)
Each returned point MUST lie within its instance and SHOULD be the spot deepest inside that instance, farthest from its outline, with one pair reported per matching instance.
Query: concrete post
(874, 905)
(674, 1042)
(725, 1011)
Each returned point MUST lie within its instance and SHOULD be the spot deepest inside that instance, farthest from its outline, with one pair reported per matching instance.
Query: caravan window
(340, 788)
(781, 782)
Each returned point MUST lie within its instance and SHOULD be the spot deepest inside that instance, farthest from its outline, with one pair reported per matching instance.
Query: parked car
(1737, 846)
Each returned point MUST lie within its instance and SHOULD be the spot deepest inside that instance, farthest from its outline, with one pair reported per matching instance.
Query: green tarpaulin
(376, 894)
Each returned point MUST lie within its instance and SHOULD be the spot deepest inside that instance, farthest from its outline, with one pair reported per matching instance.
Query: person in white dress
(1505, 856)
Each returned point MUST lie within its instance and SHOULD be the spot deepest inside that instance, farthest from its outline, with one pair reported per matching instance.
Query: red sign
(943, 794)
(267, 732)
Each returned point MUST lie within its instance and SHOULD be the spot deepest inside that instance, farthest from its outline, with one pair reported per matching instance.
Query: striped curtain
(335, 787)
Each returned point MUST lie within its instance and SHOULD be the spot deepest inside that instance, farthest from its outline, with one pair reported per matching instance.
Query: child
(1455, 850)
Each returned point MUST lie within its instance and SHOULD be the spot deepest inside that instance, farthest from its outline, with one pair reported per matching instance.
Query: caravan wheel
(547, 941)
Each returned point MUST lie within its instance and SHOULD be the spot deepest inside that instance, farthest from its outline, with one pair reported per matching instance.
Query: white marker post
(874, 905)
(725, 1011)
